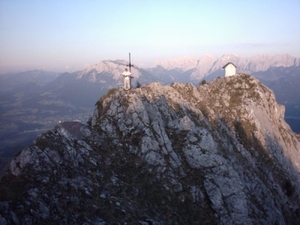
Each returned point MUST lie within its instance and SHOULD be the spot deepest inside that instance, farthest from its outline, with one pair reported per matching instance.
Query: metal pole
(130, 65)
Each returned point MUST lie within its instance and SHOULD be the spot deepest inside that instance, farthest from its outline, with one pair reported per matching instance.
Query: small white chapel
(230, 69)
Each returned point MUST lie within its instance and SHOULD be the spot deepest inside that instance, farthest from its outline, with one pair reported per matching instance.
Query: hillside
(219, 153)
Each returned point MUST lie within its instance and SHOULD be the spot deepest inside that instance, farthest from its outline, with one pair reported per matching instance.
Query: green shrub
(138, 85)
(203, 82)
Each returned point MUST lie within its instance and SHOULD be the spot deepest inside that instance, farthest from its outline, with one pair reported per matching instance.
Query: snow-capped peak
(113, 68)
(181, 63)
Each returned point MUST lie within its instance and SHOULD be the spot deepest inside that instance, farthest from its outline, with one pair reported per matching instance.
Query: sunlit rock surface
(220, 153)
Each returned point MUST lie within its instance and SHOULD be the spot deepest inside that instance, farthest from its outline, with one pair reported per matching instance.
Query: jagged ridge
(219, 153)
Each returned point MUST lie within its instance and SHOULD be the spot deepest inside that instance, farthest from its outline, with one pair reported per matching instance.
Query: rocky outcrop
(220, 153)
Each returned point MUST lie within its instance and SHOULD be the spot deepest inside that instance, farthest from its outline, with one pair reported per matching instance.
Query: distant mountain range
(88, 85)
(209, 67)
(11, 81)
(39, 98)
(84, 88)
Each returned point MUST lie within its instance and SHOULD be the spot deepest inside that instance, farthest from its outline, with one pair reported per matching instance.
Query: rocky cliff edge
(220, 153)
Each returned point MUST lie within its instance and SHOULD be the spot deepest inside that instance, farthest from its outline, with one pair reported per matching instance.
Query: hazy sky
(69, 35)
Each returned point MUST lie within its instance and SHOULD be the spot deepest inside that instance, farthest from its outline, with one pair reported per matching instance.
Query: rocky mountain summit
(219, 153)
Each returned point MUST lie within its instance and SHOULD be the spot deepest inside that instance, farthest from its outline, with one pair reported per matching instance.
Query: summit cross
(130, 65)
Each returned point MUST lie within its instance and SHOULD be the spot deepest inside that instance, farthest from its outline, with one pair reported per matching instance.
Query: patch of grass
(204, 109)
(111, 92)
(185, 90)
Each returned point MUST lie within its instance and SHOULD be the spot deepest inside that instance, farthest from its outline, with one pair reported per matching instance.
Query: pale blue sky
(69, 35)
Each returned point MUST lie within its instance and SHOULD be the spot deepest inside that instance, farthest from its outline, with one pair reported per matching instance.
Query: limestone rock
(220, 153)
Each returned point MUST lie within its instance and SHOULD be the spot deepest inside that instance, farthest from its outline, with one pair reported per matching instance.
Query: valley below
(20, 126)
(17, 134)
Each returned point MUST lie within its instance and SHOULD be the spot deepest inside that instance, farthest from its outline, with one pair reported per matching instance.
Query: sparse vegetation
(185, 90)
(204, 109)
(110, 92)
(138, 85)
(203, 82)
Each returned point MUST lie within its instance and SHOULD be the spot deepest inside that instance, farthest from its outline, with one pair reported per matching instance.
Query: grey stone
(223, 147)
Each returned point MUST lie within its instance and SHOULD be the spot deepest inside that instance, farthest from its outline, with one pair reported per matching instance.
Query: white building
(230, 69)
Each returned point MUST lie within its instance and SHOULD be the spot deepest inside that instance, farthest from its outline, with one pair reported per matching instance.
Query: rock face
(220, 153)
